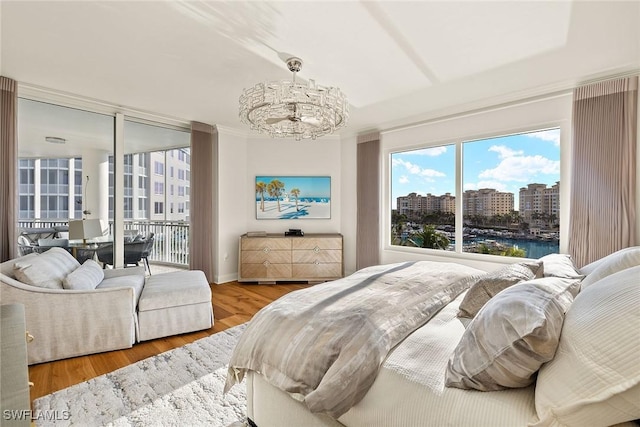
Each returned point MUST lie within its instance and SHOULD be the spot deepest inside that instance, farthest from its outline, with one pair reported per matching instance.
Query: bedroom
(45, 67)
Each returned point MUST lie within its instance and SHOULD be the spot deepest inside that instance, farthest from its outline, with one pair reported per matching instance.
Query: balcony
(171, 245)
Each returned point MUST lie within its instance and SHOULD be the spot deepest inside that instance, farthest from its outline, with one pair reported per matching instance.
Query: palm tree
(295, 192)
(261, 187)
(431, 239)
(275, 189)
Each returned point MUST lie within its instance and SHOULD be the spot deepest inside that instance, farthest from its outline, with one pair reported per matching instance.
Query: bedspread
(325, 344)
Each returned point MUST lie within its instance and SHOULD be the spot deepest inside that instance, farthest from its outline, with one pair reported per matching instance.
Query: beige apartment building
(487, 202)
(416, 205)
(540, 204)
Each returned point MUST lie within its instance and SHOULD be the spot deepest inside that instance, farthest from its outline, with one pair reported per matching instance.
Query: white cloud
(552, 135)
(521, 168)
(403, 179)
(496, 185)
(504, 151)
(416, 169)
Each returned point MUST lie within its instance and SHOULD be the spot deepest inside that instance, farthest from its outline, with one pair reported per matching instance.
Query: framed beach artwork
(293, 197)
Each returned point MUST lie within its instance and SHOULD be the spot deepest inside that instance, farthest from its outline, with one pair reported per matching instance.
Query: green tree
(430, 238)
(275, 189)
(261, 187)
(295, 192)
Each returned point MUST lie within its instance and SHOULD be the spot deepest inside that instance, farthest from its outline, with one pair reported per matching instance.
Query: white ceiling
(398, 62)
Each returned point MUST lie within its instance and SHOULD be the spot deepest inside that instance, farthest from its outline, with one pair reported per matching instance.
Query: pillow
(87, 276)
(512, 335)
(484, 287)
(594, 380)
(560, 265)
(617, 261)
(46, 270)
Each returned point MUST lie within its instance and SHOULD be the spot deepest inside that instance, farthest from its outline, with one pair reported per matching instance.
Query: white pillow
(86, 277)
(512, 335)
(594, 379)
(46, 270)
(560, 265)
(617, 261)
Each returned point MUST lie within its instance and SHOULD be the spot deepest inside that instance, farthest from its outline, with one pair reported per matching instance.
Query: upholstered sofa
(74, 309)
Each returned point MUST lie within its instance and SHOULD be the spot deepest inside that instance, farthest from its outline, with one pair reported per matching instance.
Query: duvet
(324, 345)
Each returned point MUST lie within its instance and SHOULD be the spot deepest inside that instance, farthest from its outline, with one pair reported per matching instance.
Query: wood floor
(233, 304)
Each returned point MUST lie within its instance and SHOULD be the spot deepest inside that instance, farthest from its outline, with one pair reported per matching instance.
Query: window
(158, 188)
(158, 208)
(509, 202)
(180, 190)
(158, 168)
(180, 173)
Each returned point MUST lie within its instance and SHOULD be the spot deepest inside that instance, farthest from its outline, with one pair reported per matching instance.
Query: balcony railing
(171, 238)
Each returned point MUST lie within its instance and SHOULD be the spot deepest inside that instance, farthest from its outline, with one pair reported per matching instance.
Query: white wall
(241, 158)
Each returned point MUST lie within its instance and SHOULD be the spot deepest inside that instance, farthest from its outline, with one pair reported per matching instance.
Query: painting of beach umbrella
(293, 197)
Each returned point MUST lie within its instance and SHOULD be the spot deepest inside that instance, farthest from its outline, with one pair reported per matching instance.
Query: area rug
(181, 387)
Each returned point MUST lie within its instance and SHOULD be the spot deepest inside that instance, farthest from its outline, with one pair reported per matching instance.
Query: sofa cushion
(135, 281)
(594, 378)
(486, 286)
(560, 265)
(617, 261)
(87, 276)
(175, 289)
(512, 335)
(46, 270)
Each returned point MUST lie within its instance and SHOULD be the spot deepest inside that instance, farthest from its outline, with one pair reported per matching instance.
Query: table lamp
(85, 229)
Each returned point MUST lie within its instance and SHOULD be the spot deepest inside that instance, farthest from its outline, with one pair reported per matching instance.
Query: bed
(572, 362)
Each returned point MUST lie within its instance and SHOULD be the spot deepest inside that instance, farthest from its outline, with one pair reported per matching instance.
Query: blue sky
(505, 163)
(309, 186)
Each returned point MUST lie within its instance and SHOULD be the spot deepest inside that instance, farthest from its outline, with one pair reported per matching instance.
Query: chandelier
(288, 109)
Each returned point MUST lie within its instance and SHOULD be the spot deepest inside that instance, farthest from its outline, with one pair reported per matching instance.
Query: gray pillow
(86, 277)
(488, 285)
(512, 336)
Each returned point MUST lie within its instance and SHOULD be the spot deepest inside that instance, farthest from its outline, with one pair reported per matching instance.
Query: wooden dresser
(275, 257)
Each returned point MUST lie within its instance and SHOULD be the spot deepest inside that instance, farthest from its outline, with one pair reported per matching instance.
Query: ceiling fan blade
(310, 121)
(274, 120)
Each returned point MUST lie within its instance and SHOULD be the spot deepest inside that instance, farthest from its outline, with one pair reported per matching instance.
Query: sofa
(73, 309)
(537, 343)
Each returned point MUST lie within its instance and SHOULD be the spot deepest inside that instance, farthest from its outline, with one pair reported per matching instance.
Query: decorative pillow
(87, 276)
(512, 335)
(617, 261)
(46, 270)
(594, 380)
(560, 265)
(488, 285)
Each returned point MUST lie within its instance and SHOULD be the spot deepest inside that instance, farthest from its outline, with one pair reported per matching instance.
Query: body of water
(534, 248)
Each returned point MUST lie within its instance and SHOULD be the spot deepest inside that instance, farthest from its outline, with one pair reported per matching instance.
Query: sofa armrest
(118, 272)
(69, 323)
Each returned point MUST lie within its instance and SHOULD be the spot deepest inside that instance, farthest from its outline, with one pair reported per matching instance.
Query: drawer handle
(266, 250)
(31, 384)
(316, 249)
(317, 262)
(266, 263)
(29, 337)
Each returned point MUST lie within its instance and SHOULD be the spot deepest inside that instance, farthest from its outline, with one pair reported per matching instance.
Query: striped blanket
(325, 344)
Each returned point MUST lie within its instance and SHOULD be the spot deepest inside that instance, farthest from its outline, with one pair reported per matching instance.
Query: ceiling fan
(295, 116)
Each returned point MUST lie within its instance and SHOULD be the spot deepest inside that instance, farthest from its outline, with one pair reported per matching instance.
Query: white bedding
(408, 391)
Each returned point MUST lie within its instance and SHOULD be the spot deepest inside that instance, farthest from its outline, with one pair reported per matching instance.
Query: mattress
(408, 391)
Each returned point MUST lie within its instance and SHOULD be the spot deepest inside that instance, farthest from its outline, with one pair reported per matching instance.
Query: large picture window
(508, 196)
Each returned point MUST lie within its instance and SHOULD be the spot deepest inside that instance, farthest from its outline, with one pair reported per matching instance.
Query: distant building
(486, 202)
(540, 204)
(414, 205)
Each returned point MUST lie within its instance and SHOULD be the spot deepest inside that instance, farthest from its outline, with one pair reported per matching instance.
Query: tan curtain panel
(204, 161)
(8, 165)
(603, 191)
(368, 201)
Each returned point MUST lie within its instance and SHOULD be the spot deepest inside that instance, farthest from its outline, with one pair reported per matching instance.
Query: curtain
(368, 201)
(202, 235)
(8, 165)
(603, 191)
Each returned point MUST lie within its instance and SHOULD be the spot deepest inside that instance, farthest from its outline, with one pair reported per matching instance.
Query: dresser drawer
(317, 271)
(311, 243)
(266, 270)
(265, 243)
(320, 255)
(272, 256)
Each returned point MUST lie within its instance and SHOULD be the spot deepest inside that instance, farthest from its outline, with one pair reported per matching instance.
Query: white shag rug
(181, 387)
